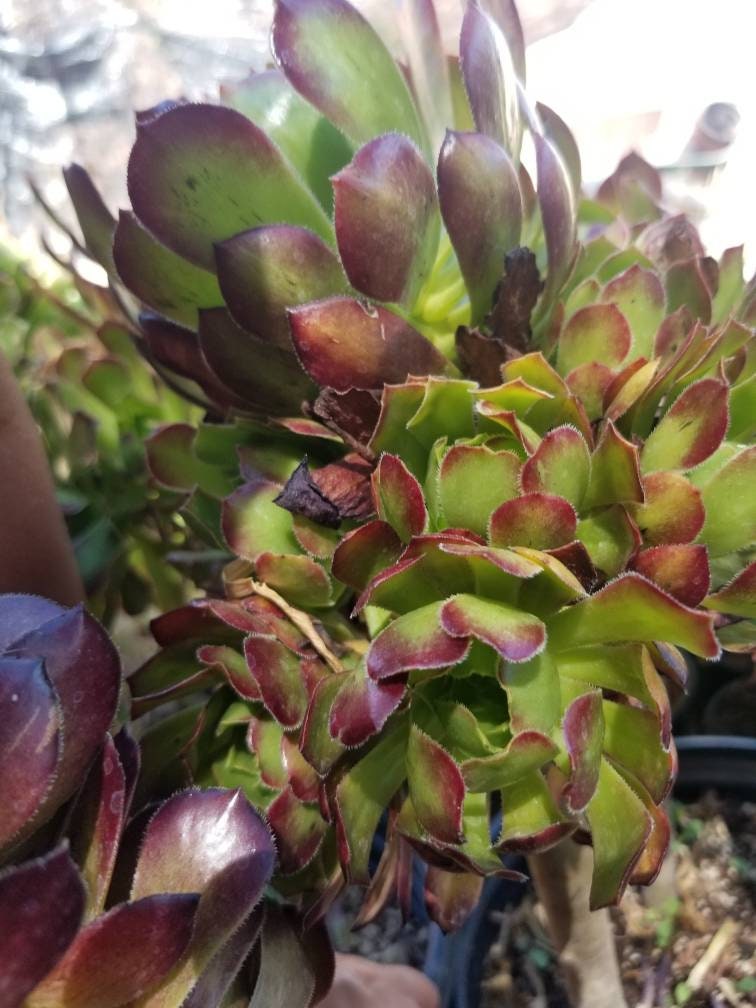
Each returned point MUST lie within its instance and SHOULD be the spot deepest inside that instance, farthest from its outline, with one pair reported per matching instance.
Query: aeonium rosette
(529, 479)
(107, 896)
(385, 191)
(527, 579)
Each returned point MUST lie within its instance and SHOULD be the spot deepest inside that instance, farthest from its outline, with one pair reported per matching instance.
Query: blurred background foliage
(95, 400)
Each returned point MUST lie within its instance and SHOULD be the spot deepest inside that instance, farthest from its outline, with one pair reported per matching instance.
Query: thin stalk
(584, 939)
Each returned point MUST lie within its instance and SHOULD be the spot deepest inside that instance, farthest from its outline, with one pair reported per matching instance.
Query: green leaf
(730, 502)
(632, 609)
(620, 826)
(691, 431)
(364, 793)
(315, 43)
(531, 820)
(560, 465)
(254, 524)
(312, 144)
(472, 482)
(436, 787)
(201, 173)
(165, 281)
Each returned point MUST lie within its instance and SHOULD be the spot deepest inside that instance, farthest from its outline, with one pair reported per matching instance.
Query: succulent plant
(107, 897)
(528, 480)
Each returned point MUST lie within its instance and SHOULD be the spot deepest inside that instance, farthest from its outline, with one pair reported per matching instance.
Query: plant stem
(584, 939)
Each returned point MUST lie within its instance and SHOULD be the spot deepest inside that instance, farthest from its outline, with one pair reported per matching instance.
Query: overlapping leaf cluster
(528, 482)
(108, 897)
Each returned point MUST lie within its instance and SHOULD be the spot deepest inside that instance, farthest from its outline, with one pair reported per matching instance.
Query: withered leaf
(301, 495)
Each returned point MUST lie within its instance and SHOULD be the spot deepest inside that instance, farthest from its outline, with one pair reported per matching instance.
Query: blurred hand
(360, 983)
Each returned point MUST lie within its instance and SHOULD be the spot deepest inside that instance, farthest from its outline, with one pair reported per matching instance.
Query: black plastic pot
(723, 762)
(455, 962)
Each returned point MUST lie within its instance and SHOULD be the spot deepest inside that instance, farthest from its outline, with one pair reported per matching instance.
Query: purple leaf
(386, 219)
(423, 49)
(199, 174)
(345, 344)
(129, 756)
(84, 669)
(516, 635)
(98, 819)
(399, 498)
(264, 271)
(123, 954)
(436, 787)
(30, 741)
(219, 974)
(195, 836)
(178, 349)
(490, 79)
(583, 728)
(263, 376)
(215, 843)
(365, 552)
(482, 209)
(557, 213)
(506, 16)
(414, 641)
(681, 569)
(296, 967)
(362, 707)
(558, 133)
(278, 673)
(21, 613)
(298, 829)
(41, 906)
(194, 620)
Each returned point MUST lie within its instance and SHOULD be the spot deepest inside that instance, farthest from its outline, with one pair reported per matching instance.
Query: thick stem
(35, 552)
(584, 939)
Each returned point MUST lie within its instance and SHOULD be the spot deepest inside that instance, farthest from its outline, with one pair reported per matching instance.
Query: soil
(387, 939)
(689, 941)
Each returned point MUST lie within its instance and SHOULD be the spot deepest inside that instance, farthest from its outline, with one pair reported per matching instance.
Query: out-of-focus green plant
(96, 400)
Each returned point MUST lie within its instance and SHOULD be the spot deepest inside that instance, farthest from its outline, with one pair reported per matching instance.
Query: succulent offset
(493, 437)
(107, 897)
